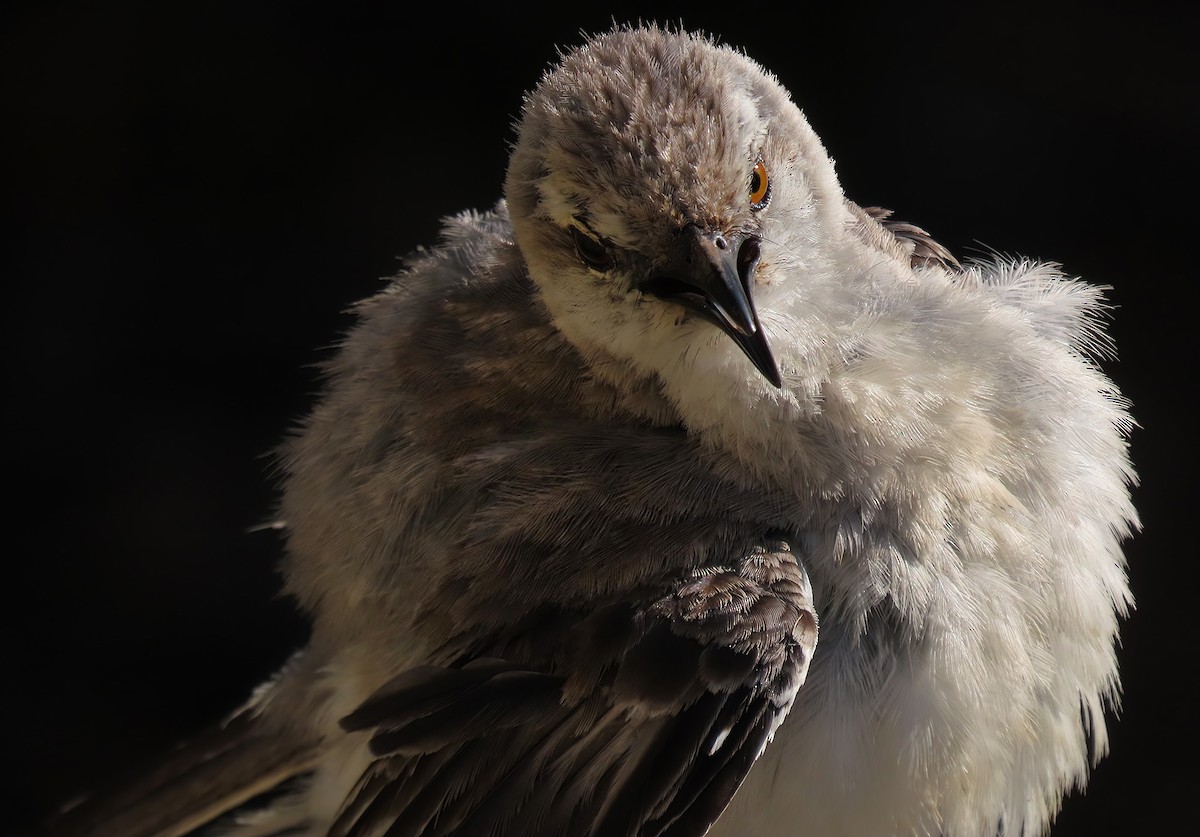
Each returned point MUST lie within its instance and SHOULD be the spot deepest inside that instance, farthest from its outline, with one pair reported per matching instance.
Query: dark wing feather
(644, 723)
(923, 250)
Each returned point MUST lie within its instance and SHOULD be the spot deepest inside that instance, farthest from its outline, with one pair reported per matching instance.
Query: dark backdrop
(194, 194)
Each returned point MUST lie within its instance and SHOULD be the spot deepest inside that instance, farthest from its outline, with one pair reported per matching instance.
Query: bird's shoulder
(462, 329)
(457, 289)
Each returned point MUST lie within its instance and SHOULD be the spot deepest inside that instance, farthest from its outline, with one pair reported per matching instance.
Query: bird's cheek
(765, 273)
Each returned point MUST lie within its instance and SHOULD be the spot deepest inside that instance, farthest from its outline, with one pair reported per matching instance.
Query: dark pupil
(755, 182)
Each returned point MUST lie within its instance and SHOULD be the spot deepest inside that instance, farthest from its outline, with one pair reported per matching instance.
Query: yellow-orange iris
(760, 186)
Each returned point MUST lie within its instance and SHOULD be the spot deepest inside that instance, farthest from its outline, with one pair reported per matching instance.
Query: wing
(646, 723)
(922, 249)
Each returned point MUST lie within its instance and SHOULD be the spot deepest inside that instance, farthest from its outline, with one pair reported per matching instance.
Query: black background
(195, 193)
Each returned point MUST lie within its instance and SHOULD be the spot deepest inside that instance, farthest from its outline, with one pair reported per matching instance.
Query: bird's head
(661, 190)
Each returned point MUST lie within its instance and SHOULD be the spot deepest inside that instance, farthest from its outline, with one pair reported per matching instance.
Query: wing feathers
(644, 719)
(510, 698)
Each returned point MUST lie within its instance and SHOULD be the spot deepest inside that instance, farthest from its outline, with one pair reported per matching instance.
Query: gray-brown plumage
(584, 475)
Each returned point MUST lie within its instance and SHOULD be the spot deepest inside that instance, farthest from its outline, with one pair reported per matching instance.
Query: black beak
(710, 274)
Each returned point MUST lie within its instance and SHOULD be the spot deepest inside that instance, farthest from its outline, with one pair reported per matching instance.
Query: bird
(678, 494)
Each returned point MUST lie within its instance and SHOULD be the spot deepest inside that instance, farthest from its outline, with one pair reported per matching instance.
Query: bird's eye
(591, 252)
(760, 187)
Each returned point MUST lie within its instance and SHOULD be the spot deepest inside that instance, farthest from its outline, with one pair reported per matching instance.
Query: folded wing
(644, 721)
